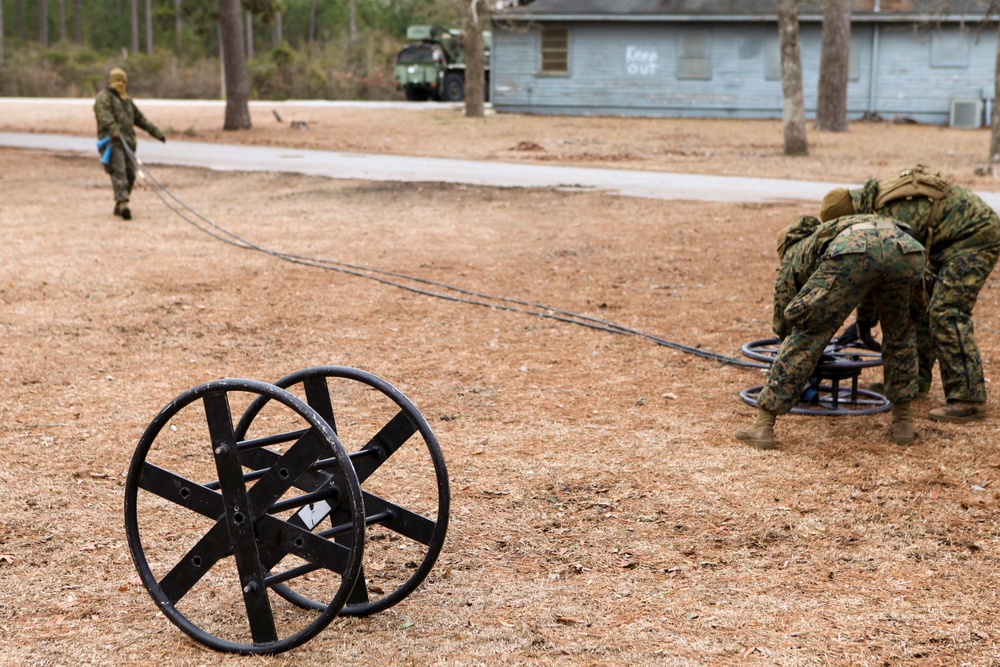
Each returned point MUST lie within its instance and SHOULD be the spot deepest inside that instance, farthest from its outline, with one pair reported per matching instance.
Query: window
(694, 61)
(420, 53)
(950, 48)
(555, 51)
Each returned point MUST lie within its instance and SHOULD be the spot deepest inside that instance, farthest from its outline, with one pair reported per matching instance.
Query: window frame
(549, 61)
(694, 47)
(949, 49)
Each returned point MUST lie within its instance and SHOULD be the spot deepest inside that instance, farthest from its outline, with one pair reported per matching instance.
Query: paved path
(649, 184)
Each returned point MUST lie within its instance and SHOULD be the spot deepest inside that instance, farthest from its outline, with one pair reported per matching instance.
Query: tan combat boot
(958, 412)
(903, 430)
(761, 433)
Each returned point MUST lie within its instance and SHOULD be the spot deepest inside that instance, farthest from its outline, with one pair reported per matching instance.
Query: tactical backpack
(920, 181)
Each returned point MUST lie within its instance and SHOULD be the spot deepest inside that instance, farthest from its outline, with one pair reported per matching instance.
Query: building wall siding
(637, 69)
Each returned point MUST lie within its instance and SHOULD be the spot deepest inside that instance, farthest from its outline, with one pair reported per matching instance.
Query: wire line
(392, 278)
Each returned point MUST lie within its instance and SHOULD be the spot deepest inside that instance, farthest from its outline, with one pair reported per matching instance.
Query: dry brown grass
(602, 512)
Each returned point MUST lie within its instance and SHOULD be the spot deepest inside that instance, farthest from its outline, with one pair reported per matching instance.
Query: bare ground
(601, 512)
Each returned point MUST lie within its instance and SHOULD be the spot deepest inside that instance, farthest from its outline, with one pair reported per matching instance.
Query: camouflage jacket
(803, 258)
(957, 223)
(115, 114)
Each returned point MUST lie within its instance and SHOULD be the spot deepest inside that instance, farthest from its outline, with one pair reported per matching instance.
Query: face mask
(119, 86)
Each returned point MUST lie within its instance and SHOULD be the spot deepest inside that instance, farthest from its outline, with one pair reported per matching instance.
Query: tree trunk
(1, 33)
(249, 34)
(352, 15)
(995, 115)
(43, 23)
(149, 27)
(834, 67)
(77, 22)
(276, 30)
(235, 67)
(794, 113)
(179, 26)
(474, 59)
(134, 9)
(312, 21)
(62, 20)
(19, 19)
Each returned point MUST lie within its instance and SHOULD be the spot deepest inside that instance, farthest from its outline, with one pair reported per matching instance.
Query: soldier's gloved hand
(865, 334)
(162, 139)
(849, 336)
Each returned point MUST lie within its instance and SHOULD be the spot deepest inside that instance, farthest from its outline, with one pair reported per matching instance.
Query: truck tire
(453, 89)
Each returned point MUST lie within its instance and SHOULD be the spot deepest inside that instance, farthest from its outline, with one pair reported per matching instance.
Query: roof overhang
(872, 17)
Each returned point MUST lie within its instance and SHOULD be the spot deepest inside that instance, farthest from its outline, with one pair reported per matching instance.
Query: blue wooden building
(721, 59)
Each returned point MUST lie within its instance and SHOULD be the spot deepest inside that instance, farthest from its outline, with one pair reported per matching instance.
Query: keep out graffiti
(641, 62)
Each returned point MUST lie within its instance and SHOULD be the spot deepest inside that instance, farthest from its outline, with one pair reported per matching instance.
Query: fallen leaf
(6, 558)
(566, 620)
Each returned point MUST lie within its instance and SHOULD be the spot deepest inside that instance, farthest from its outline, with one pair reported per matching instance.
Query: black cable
(203, 224)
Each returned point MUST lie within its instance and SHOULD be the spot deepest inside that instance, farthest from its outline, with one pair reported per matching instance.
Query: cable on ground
(392, 278)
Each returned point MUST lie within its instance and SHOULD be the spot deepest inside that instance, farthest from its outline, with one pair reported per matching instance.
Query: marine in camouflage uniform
(822, 279)
(962, 236)
(117, 117)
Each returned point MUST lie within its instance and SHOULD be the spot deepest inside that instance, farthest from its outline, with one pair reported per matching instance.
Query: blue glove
(105, 145)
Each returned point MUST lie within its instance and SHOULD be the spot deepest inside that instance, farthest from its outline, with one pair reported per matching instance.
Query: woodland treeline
(295, 49)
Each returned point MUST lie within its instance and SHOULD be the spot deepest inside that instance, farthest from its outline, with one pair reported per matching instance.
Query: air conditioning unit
(966, 114)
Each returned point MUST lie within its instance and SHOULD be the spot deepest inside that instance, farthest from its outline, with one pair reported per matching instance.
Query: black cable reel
(842, 360)
(327, 496)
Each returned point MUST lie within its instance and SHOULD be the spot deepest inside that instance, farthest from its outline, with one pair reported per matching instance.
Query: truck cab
(432, 64)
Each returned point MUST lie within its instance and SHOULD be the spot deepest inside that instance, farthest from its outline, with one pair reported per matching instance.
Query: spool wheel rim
(396, 432)
(245, 523)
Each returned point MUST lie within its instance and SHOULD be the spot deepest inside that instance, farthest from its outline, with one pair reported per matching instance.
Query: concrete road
(330, 164)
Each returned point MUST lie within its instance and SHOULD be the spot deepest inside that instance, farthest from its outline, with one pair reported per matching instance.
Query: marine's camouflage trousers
(945, 329)
(876, 266)
(122, 172)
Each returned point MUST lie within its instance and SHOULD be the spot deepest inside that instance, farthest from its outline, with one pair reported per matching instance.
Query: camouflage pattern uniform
(117, 115)
(962, 235)
(822, 279)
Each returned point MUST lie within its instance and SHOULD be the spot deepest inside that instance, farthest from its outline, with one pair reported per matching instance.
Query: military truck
(432, 64)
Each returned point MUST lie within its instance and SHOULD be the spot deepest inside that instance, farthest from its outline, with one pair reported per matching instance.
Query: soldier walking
(827, 270)
(117, 116)
(961, 234)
